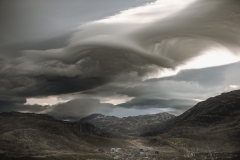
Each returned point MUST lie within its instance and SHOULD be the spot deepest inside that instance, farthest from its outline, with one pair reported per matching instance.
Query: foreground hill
(28, 132)
(131, 126)
(213, 124)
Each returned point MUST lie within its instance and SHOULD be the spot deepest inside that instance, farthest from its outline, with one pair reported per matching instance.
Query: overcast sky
(73, 58)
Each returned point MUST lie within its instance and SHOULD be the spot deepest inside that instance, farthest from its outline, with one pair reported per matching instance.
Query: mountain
(35, 133)
(211, 126)
(130, 126)
(214, 124)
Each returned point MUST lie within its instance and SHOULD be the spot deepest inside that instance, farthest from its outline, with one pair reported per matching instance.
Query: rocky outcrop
(131, 126)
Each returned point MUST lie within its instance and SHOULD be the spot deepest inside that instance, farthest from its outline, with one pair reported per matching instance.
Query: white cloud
(173, 35)
(50, 100)
(148, 13)
(235, 86)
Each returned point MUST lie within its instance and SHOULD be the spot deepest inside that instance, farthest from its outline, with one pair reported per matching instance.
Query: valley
(209, 130)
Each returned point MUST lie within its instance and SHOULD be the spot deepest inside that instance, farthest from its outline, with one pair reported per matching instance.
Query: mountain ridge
(213, 123)
(21, 132)
(128, 126)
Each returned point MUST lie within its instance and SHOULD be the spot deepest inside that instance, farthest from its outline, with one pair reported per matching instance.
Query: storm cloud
(166, 42)
(162, 54)
(79, 108)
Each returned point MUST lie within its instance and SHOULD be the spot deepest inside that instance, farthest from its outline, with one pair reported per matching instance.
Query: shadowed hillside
(214, 124)
(34, 133)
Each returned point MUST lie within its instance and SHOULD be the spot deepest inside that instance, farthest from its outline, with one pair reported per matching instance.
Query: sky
(70, 59)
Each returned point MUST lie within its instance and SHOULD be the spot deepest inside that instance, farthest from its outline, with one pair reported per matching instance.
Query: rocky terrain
(210, 128)
(213, 124)
(131, 126)
(38, 133)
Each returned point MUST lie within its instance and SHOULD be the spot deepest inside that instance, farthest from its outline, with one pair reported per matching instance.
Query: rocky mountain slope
(131, 126)
(214, 123)
(28, 132)
(210, 126)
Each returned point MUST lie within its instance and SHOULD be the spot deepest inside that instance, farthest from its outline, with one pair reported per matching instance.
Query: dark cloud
(18, 88)
(18, 107)
(115, 57)
(175, 41)
(71, 110)
(167, 89)
(212, 76)
(79, 108)
(147, 103)
(209, 77)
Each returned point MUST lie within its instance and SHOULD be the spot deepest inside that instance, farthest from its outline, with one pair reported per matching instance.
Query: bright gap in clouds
(210, 58)
(51, 100)
(115, 100)
(234, 87)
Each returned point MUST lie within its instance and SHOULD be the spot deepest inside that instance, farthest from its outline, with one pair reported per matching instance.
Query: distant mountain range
(130, 126)
(210, 126)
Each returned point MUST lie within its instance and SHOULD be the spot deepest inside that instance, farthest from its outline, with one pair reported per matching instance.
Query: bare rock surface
(130, 126)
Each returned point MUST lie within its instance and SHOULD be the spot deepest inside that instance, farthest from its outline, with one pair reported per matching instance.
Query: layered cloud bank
(121, 61)
(164, 34)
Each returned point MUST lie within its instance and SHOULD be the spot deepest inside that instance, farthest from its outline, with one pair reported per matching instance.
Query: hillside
(35, 133)
(131, 126)
(211, 126)
(214, 123)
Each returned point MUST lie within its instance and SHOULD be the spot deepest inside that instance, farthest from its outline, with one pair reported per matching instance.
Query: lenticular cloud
(161, 35)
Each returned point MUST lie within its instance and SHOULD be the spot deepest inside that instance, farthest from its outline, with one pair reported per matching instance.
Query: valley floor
(140, 150)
